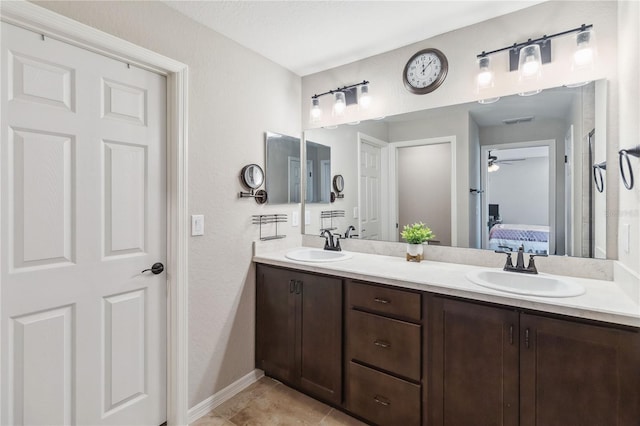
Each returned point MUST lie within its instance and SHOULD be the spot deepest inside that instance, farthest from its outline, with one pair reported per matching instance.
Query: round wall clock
(425, 71)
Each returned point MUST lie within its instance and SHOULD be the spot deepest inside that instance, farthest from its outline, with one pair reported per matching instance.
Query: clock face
(425, 71)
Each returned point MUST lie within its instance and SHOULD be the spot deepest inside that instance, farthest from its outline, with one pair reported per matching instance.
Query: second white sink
(529, 284)
(317, 255)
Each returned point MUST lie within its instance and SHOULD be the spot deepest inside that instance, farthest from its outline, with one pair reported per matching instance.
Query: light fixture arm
(340, 89)
(517, 46)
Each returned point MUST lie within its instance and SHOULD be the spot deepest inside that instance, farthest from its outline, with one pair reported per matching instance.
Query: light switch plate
(307, 217)
(355, 212)
(625, 237)
(197, 224)
(294, 218)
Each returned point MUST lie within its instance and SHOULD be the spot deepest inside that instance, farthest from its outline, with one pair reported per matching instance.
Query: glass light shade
(584, 55)
(493, 167)
(365, 97)
(484, 79)
(316, 111)
(340, 103)
(530, 63)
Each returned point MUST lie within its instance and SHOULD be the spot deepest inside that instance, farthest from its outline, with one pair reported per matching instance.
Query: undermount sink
(528, 284)
(317, 255)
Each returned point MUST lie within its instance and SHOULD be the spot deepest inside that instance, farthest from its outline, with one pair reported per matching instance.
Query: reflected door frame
(393, 173)
(520, 186)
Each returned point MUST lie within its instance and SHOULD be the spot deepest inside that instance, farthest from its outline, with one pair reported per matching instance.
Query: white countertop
(603, 300)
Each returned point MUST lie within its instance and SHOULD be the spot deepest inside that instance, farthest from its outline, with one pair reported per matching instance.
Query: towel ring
(627, 178)
(597, 175)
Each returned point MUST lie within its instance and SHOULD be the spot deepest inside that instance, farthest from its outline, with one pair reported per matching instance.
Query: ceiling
(307, 36)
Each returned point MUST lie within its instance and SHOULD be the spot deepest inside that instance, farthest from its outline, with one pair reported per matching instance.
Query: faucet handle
(509, 262)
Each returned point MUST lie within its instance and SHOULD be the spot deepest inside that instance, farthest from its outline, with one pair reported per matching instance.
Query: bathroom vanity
(393, 342)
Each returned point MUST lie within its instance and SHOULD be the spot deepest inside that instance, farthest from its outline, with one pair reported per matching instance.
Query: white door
(294, 179)
(370, 181)
(82, 213)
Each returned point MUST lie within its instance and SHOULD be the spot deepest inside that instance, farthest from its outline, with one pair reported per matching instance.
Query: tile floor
(270, 403)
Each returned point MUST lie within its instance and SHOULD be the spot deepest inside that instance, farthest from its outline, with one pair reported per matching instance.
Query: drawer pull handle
(382, 401)
(382, 344)
(383, 301)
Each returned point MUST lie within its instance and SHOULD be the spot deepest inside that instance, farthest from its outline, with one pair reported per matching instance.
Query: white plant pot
(415, 249)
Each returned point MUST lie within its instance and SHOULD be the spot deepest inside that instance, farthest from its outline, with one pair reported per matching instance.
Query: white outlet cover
(307, 217)
(295, 219)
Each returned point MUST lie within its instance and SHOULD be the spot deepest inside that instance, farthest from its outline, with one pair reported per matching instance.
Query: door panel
(474, 364)
(574, 373)
(321, 337)
(370, 180)
(82, 209)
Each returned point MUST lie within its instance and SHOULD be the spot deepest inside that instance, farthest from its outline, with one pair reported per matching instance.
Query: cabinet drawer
(385, 343)
(385, 300)
(382, 399)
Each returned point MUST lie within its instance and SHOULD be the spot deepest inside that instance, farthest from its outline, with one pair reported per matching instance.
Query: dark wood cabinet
(494, 366)
(472, 364)
(383, 354)
(299, 330)
(573, 373)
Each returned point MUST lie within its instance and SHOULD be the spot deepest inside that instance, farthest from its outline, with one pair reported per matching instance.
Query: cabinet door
(473, 359)
(320, 337)
(275, 322)
(578, 374)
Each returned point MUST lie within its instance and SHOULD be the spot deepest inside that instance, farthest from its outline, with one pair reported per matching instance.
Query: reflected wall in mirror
(317, 173)
(436, 161)
(283, 174)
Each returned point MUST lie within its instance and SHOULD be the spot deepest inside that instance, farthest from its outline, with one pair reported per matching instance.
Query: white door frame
(50, 24)
(484, 152)
(393, 186)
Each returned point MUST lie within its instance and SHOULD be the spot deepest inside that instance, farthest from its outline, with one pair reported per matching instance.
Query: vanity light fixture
(527, 57)
(343, 97)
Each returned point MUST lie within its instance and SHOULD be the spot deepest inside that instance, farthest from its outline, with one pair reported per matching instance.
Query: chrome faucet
(531, 267)
(329, 243)
(347, 233)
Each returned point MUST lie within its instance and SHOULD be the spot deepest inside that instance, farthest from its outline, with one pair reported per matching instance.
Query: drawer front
(385, 300)
(385, 343)
(382, 399)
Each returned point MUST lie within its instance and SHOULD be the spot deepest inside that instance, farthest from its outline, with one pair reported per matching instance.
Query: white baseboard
(223, 395)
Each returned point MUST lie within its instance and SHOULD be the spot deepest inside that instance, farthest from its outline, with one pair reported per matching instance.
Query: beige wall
(230, 108)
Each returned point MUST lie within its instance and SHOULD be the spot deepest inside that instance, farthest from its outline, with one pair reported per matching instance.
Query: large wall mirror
(318, 173)
(517, 171)
(283, 174)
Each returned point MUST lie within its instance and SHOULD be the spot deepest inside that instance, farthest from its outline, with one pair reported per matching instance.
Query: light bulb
(485, 75)
(493, 167)
(315, 112)
(530, 62)
(584, 55)
(340, 104)
(365, 97)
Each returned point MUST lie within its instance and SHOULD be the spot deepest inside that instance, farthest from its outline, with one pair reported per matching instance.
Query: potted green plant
(416, 235)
